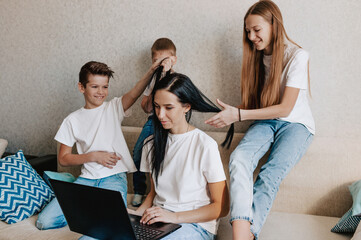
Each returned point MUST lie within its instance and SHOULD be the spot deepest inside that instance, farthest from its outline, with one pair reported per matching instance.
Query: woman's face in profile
(170, 112)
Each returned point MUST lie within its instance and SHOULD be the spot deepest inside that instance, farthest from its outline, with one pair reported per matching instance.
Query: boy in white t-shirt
(96, 131)
(162, 48)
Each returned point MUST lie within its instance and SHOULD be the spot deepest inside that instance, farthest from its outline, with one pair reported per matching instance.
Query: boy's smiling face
(96, 90)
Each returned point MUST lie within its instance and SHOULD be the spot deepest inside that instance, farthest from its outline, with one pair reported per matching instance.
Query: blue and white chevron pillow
(23, 192)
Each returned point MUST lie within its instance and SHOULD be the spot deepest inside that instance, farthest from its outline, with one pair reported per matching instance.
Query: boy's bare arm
(146, 104)
(130, 97)
(67, 158)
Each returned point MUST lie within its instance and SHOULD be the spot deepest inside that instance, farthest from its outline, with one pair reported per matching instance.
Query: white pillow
(3, 145)
(357, 235)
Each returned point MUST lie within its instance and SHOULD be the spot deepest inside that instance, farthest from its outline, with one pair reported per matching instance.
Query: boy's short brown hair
(164, 44)
(95, 68)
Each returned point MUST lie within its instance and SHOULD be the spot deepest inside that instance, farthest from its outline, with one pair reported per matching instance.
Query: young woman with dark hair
(187, 178)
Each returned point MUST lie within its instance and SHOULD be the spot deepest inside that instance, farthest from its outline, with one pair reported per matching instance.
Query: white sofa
(309, 203)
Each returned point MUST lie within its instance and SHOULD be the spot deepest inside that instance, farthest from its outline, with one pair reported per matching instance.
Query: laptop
(101, 214)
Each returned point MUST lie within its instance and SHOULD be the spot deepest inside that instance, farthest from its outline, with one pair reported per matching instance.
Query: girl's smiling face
(259, 32)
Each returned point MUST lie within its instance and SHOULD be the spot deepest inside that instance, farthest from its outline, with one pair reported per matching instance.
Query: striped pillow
(23, 192)
(347, 224)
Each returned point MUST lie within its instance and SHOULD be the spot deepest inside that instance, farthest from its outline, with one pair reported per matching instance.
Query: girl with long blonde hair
(274, 89)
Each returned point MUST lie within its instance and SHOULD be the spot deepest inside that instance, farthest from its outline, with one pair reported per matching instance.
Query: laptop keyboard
(143, 232)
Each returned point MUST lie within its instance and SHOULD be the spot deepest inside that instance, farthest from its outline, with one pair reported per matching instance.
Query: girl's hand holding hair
(158, 214)
(227, 116)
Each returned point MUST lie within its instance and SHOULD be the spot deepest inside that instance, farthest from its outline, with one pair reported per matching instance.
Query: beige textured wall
(43, 44)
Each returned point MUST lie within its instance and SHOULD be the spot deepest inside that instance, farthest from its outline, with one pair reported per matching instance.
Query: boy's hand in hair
(106, 159)
(227, 116)
(167, 63)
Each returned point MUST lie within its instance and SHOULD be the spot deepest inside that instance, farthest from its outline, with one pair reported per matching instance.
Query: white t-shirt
(295, 74)
(98, 129)
(192, 160)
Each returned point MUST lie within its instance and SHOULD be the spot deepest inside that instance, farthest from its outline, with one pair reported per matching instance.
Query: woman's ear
(187, 107)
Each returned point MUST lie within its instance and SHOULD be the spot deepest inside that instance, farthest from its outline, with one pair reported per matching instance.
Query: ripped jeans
(288, 142)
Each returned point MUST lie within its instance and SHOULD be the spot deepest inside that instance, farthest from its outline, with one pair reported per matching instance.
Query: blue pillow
(64, 176)
(347, 224)
(355, 190)
(23, 192)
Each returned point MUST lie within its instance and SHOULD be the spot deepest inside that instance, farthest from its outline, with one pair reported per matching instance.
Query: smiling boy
(96, 131)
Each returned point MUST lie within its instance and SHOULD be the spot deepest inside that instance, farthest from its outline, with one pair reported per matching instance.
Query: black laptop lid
(87, 211)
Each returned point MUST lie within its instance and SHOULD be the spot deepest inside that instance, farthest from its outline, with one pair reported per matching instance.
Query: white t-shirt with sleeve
(295, 74)
(192, 160)
(98, 129)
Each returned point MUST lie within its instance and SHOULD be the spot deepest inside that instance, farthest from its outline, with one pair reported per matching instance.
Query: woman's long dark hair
(187, 93)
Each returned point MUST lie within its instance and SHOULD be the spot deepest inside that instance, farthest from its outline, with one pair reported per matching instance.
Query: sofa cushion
(3, 145)
(347, 224)
(26, 230)
(286, 226)
(23, 192)
(357, 235)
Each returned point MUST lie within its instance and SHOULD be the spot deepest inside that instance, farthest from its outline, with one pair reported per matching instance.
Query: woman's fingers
(151, 215)
(212, 119)
(154, 220)
(146, 216)
(222, 104)
(216, 121)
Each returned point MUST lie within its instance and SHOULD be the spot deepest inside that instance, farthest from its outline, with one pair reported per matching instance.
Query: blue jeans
(288, 142)
(188, 231)
(52, 216)
(139, 178)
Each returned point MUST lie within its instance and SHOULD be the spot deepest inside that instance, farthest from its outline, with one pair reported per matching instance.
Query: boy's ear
(174, 60)
(81, 88)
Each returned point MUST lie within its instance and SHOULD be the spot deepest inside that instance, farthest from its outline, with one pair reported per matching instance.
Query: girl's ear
(81, 88)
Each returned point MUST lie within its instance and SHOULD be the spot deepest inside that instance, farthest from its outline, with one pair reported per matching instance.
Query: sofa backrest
(317, 185)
